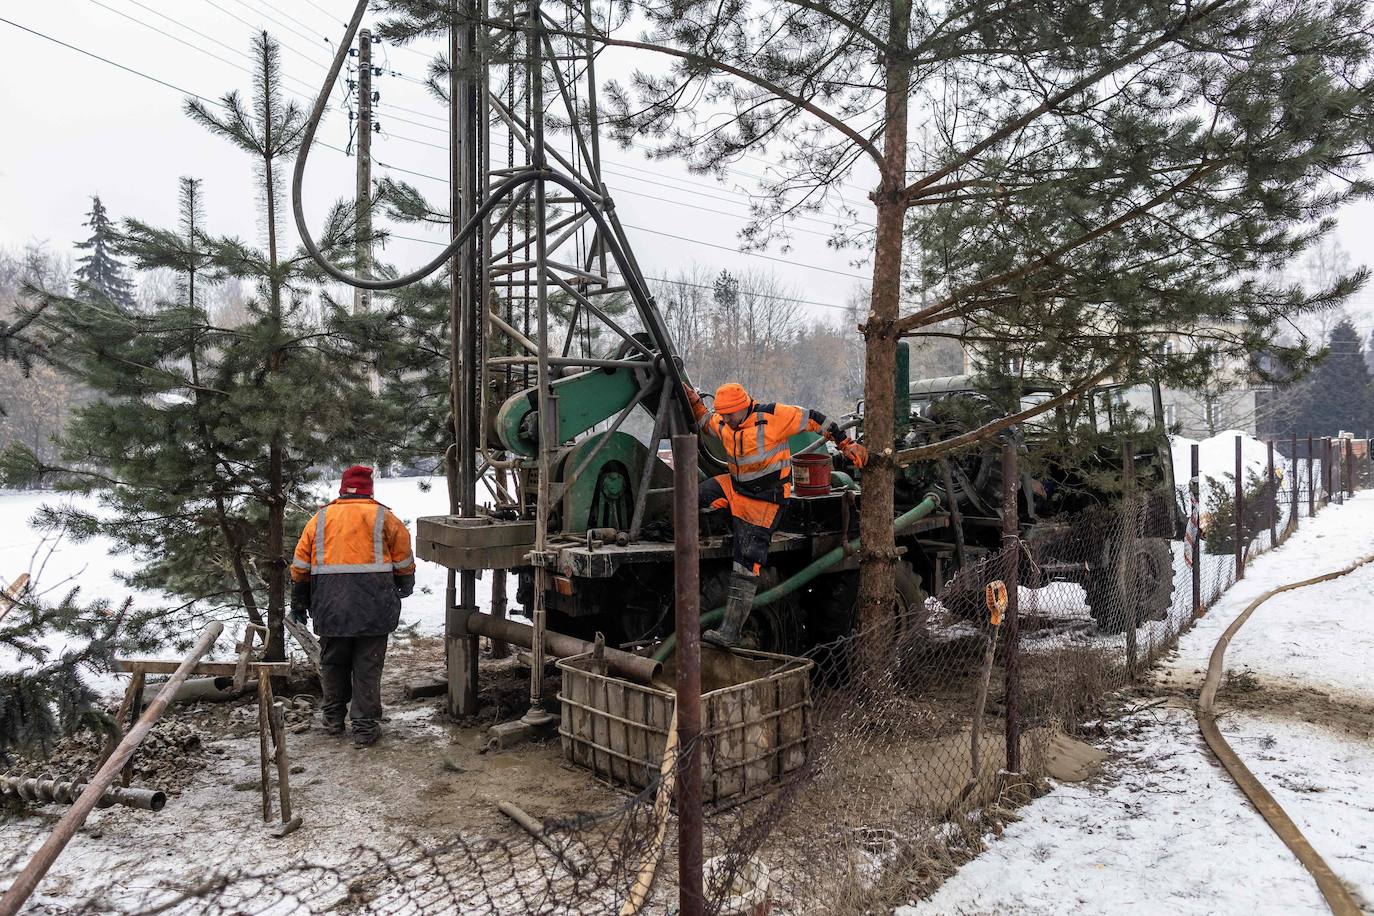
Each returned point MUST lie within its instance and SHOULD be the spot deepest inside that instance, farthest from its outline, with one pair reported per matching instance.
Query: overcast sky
(76, 126)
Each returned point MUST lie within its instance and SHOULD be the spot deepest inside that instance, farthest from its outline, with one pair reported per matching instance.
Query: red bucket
(811, 474)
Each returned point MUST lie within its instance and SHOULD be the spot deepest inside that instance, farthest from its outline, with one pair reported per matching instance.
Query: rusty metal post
(1240, 513)
(1311, 480)
(1130, 597)
(1326, 471)
(1349, 466)
(1195, 511)
(1011, 484)
(27, 880)
(1273, 497)
(686, 573)
(1293, 472)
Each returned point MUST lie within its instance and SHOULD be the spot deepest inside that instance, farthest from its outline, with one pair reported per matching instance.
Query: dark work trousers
(351, 671)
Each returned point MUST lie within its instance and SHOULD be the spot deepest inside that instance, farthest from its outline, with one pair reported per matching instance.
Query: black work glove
(300, 601)
(405, 585)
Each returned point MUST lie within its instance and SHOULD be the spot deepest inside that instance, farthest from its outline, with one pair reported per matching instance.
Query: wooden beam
(202, 669)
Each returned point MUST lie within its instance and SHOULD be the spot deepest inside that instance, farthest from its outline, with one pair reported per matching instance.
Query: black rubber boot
(366, 732)
(739, 600)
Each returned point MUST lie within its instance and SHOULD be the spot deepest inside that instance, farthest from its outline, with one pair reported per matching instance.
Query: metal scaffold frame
(536, 234)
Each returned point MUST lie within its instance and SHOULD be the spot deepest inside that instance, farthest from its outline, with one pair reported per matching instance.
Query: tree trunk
(878, 557)
(277, 563)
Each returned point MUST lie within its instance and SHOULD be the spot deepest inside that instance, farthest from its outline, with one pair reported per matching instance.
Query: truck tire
(1149, 597)
(835, 597)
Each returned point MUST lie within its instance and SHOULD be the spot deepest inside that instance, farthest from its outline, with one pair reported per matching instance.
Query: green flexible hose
(808, 573)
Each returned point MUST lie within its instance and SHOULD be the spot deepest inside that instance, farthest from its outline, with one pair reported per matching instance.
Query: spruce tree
(1337, 395)
(99, 273)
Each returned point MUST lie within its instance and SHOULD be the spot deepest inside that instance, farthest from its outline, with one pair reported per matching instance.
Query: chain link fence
(923, 734)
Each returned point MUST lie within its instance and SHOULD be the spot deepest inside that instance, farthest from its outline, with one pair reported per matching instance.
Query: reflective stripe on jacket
(758, 455)
(351, 551)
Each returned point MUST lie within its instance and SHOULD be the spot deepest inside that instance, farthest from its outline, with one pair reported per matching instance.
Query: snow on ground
(1164, 830)
(56, 563)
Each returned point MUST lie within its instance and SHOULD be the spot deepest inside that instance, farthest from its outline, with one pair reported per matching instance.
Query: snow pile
(1217, 457)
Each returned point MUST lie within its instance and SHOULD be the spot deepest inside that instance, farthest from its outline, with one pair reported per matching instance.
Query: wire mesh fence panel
(904, 763)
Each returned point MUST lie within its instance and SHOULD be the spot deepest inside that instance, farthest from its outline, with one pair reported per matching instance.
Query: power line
(827, 305)
(188, 44)
(147, 76)
(627, 225)
(106, 60)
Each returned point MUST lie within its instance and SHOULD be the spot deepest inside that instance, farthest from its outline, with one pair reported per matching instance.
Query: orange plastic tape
(996, 596)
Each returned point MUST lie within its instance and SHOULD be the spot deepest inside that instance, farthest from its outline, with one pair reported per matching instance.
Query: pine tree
(206, 439)
(100, 273)
(1090, 176)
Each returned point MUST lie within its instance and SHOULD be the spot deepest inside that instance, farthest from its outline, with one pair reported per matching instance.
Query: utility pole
(362, 298)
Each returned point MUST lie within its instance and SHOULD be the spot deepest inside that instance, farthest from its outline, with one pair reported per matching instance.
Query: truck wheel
(837, 595)
(1149, 596)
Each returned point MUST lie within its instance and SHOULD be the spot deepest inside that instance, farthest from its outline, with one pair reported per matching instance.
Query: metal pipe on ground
(65, 793)
(637, 668)
(27, 880)
(209, 690)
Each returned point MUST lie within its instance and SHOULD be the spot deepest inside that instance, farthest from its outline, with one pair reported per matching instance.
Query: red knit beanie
(356, 480)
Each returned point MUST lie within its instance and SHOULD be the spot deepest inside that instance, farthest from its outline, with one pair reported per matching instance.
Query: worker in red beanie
(353, 565)
(759, 483)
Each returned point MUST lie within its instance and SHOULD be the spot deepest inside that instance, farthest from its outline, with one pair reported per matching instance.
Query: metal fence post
(1326, 471)
(686, 572)
(1240, 511)
(1011, 544)
(1311, 480)
(1273, 498)
(1130, 600)
(1195, 489)
(1293, 472)
(1349, 466)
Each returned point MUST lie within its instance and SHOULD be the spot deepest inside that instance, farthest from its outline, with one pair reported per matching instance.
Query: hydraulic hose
(610, 239)
(810, 572)
(1332, 890)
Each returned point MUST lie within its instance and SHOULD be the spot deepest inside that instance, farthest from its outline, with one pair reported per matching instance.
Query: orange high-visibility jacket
(352, 552)
(757, 453)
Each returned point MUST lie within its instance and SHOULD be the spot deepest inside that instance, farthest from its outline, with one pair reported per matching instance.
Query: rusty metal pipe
(27, 880)
(637, 668)
(65, 793)
(687, 601)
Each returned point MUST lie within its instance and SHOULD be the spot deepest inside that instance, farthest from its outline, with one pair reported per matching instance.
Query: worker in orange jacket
(759, 483)
(353, 565)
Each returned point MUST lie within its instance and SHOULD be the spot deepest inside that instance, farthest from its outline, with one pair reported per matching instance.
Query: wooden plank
(309, 644)
(10, 596)
(202, 669)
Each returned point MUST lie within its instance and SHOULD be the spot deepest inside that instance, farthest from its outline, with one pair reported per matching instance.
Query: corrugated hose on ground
(1338, 898)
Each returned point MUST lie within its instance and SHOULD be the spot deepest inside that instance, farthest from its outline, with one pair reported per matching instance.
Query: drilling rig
(566, 385)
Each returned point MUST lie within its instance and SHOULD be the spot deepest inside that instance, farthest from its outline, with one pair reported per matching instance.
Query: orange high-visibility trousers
(752, 521)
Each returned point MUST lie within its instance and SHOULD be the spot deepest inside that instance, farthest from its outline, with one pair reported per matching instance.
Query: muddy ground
(427, 781)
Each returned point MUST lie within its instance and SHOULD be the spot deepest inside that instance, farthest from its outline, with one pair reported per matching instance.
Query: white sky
(76, 126)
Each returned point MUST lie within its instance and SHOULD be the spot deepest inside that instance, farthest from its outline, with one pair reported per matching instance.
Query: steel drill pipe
(27, 880)
(637, 668)
(65, 793)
